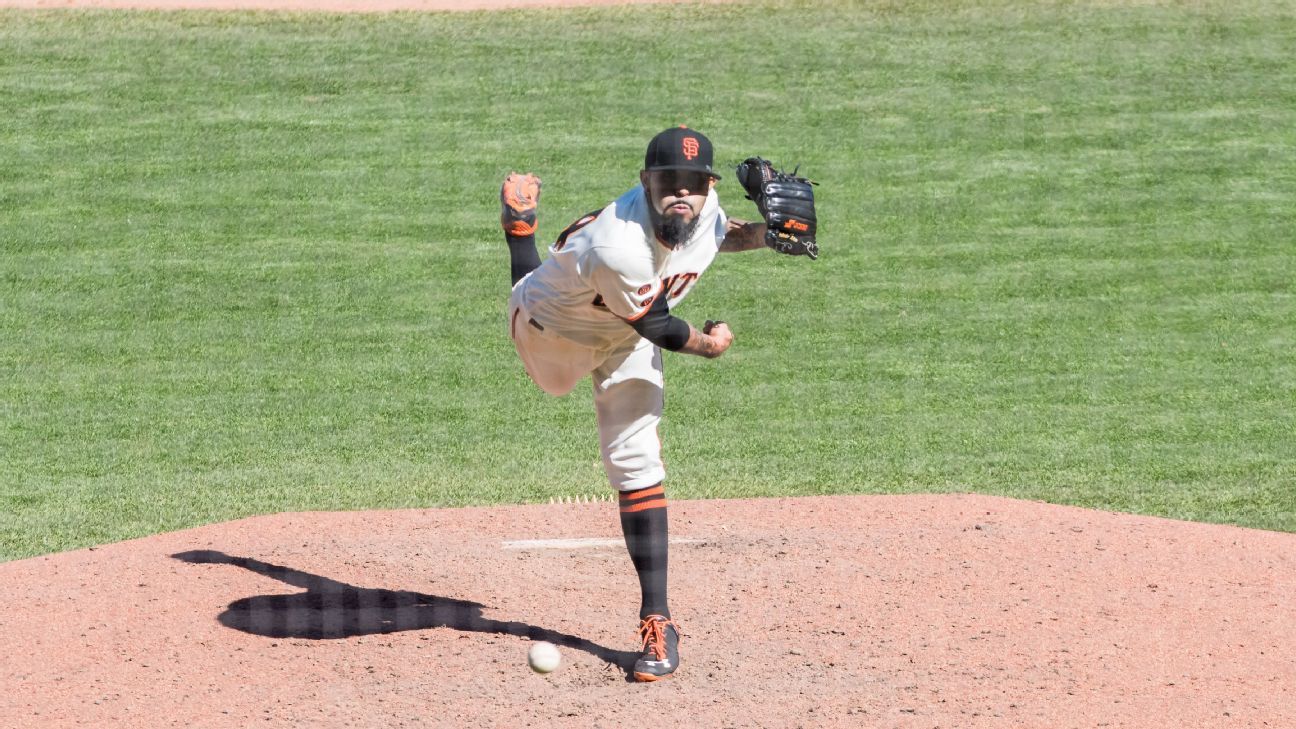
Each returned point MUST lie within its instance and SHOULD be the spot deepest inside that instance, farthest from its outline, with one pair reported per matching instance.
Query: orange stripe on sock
(659, 503)
(629, 496)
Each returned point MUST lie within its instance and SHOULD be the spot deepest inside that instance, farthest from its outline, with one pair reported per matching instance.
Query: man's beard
(672, 230)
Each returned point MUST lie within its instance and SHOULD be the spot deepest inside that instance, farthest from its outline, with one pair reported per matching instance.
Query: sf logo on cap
(690, 147)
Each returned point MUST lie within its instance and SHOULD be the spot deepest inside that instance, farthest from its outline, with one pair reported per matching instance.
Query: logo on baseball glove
(786, 203)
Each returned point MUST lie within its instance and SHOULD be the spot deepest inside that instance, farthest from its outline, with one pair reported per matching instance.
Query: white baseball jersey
(610, 268)
(568, 319)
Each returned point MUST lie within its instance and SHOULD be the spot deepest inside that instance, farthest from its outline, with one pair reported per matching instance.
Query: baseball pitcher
(601, 305)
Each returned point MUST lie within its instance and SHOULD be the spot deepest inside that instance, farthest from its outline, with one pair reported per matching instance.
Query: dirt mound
(833, 611)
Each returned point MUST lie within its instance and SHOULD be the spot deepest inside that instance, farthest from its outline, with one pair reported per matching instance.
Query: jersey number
(581, 222)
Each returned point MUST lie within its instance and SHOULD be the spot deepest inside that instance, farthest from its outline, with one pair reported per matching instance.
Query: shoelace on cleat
(653, 634)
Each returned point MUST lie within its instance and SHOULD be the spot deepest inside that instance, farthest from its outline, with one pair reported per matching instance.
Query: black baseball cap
(680, 148)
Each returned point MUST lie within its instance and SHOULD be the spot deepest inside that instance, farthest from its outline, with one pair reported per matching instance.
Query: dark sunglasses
(691, 180)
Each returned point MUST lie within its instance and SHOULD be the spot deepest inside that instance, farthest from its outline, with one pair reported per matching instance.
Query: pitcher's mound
(952, 611)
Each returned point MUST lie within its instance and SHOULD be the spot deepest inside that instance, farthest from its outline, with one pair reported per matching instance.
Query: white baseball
(544, 657)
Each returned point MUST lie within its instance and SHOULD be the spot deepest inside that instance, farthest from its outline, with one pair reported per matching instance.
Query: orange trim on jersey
(657, 503)
(513, 324)
(646, 306)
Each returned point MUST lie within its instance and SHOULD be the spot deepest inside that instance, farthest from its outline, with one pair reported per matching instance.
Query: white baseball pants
(628, 395)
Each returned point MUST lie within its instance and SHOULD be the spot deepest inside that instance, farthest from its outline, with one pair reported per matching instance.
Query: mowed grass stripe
(251, 261)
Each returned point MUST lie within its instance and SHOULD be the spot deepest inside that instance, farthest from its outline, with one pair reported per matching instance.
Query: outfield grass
(251, 263)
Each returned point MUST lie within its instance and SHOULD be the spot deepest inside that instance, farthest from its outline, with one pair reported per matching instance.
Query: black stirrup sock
(643, 521)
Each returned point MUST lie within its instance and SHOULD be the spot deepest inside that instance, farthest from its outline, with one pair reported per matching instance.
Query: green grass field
(251, 261)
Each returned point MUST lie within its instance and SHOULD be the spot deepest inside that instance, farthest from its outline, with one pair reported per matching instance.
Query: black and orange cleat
(519, 196)
(660, 657)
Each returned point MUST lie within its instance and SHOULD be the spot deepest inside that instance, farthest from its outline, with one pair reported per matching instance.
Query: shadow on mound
(330, 609)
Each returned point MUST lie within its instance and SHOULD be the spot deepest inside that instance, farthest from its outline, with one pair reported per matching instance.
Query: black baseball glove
(786, 202)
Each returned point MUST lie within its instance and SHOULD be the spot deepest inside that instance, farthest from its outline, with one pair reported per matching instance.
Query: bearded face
(674, 230)
(676, 198)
